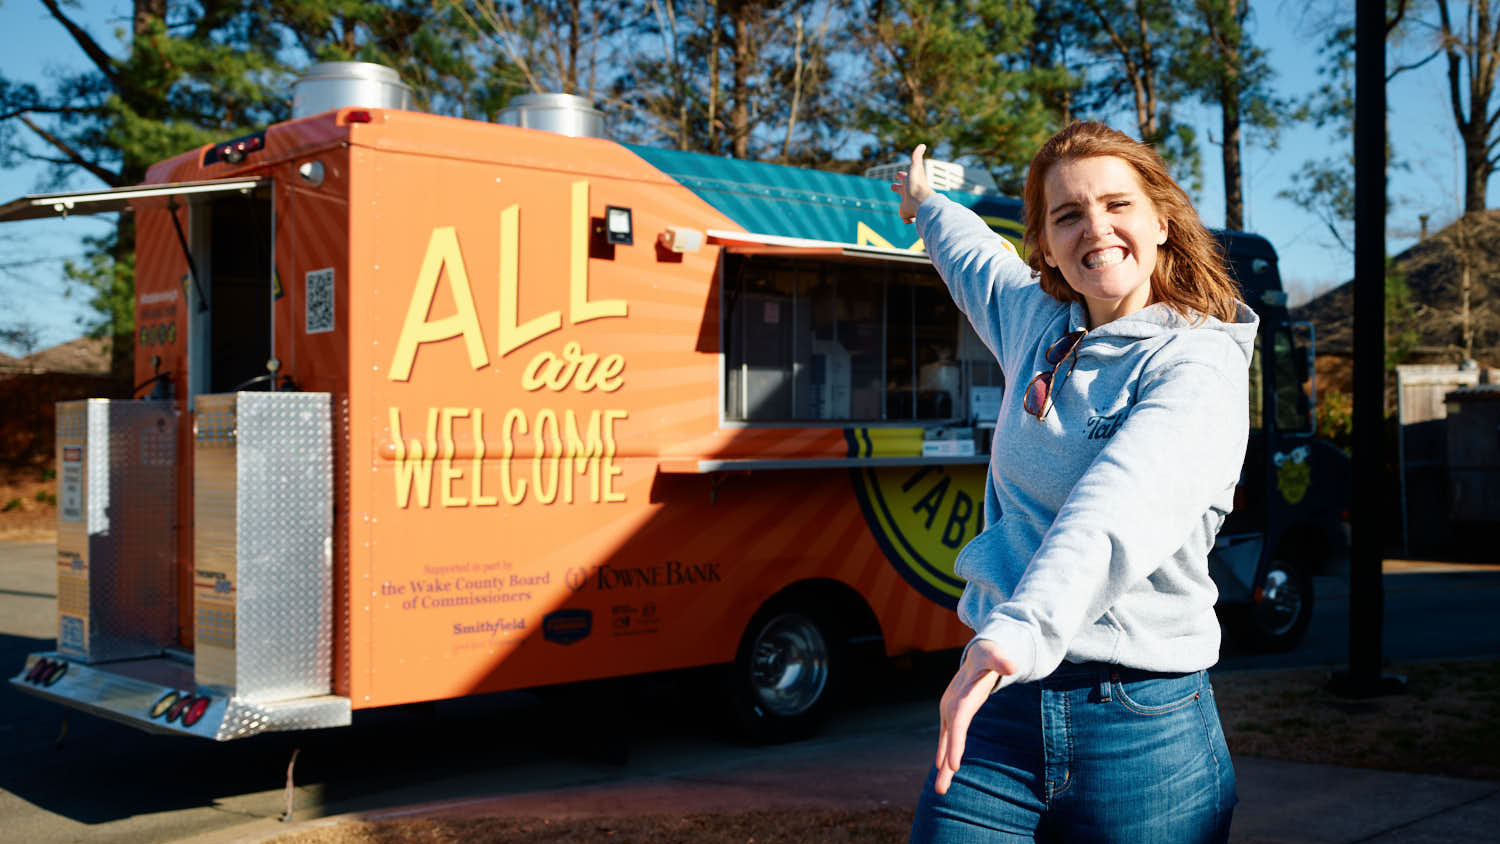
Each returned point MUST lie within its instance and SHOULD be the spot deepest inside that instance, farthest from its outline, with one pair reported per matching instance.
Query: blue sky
(1422, 135)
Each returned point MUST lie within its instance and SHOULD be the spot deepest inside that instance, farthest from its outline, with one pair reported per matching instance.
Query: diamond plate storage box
(262, 544)
(116, 537)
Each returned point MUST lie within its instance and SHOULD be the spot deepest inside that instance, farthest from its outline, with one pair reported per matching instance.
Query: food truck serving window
(812, 337)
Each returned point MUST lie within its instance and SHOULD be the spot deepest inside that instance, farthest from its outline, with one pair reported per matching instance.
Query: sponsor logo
(565, 627)
(577, 578)
(670, 573)
(490, 626)
(633, 620)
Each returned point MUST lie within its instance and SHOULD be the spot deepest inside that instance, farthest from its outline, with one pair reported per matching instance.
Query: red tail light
(38, 670)
(178, 708)
(357, 116)
(195, 711)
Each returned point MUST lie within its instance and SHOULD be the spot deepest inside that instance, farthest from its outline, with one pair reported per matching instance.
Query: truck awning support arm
(187, 253)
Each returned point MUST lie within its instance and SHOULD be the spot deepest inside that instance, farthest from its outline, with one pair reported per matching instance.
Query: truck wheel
(784, 676)
(1277, 622)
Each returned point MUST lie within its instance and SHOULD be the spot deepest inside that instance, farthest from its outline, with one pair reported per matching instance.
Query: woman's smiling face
(1101, 234)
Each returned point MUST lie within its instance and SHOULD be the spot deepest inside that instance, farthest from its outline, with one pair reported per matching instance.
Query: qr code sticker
(320, 301)
(70, 632)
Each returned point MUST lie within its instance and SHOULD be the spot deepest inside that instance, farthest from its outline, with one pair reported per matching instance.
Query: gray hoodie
(1099, 518)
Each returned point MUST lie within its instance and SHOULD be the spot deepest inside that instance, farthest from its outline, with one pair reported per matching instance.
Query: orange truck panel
(512, 392)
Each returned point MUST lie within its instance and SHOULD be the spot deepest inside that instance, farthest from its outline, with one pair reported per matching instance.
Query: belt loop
(1104, 683)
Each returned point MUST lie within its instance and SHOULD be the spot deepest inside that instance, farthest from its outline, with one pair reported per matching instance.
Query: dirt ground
(814, 825)
(28, 503)
(1445, 726)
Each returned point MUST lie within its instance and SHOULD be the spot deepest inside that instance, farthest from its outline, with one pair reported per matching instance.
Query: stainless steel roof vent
(566, 114)
(330, 85)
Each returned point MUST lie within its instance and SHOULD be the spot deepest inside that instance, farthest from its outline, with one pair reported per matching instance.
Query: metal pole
(1366, 592)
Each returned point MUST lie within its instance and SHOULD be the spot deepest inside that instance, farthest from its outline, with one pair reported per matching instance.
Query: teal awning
(786, 201)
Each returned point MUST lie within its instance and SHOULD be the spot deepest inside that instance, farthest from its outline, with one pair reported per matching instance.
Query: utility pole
(1366, 590)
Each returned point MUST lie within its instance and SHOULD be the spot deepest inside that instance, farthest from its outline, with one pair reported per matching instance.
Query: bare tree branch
(1413, 66)
(102, 60)
(73, 156)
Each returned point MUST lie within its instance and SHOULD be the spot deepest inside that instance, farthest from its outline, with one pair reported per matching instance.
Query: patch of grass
(49, 474)
(11, 505)
(45, 497)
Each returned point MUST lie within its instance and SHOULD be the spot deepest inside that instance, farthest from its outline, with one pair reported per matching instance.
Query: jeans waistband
(1079, 674)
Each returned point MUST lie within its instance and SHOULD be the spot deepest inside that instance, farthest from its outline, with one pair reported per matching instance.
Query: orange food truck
(432, 407)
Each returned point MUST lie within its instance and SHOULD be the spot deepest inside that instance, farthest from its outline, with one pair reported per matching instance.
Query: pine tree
(187, 73)
(947, 73)
(1135, 45)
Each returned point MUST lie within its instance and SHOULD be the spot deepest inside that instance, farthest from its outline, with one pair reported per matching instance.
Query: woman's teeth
(1104, 257)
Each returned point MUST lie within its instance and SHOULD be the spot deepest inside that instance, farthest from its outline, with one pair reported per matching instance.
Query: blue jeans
(1094, 752)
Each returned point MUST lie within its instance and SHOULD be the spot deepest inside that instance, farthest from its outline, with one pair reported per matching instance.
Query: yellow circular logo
(921, 516)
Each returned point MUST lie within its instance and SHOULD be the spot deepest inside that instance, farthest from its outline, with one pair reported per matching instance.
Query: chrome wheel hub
(789, 665)
(1280, 603)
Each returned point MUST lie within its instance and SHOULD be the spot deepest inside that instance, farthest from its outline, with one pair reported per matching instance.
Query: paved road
(108, 782)
(1431, 612)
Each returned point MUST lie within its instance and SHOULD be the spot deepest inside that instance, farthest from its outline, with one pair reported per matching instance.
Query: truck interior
(232, 332)
(815, 340)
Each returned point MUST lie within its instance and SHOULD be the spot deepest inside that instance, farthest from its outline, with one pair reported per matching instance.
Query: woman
(1081, 710)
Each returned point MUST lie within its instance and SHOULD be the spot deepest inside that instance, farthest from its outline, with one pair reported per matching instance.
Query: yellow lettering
(866, 236)
(516, 495)
(583, 452)
(478, 496)
(414, 466)
(580, 309)
(545, 494)
(442, 252)
(532, 378)
(610, 469)
(582, 370)
(568, 444)
(561, 370)
(609, 374)
(513, 336)
(446, 470)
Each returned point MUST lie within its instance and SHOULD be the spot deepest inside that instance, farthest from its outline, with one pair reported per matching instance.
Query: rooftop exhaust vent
(566, 114)
(332, 85)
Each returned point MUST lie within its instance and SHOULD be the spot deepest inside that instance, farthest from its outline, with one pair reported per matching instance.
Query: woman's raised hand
(984, 663)
(912, 185)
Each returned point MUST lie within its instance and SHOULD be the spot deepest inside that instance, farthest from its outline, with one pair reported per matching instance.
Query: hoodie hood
(1160, 319)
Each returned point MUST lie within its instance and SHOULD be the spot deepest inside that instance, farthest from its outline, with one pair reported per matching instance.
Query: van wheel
(1277, 622)
(785, 673)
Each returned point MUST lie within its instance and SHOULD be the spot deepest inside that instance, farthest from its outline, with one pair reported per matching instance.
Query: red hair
(1189, 275)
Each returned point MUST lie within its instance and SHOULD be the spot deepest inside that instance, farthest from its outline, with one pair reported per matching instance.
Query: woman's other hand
(912, 185)
(984, 663)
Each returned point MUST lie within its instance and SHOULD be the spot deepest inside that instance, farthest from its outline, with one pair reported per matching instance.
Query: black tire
(1277, 622)
(790, 663)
